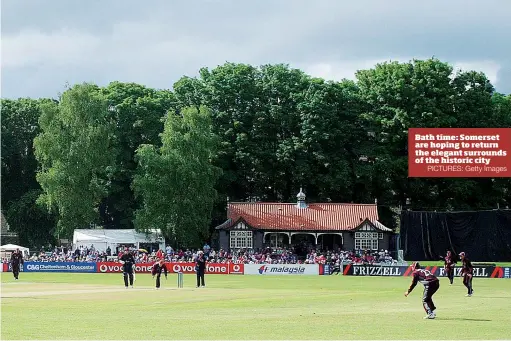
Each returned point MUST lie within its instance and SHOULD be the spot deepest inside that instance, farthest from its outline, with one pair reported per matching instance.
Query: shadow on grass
(462, 319)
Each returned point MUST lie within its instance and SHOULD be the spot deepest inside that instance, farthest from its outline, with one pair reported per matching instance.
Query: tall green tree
(176, 181)
(31, 221)
(19, 166)
(278, 129)
(331, 139)
(75, 152)
(399, 96)
(262, 116)
(138, 113)
(502, 115)
(231, 92)
(427, 93)
(19, 128)
(281, 164)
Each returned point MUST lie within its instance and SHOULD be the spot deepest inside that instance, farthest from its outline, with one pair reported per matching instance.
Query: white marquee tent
(101, 239)
(12, 248)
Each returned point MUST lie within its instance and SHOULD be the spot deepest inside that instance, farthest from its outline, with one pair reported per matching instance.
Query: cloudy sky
(48, 43)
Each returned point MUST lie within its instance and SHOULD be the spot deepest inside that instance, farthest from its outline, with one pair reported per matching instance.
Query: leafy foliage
(31, 221)
(74, 150)
(102, 156)
(137, 112)
(176, 181)
(19, 165)
(19, 128)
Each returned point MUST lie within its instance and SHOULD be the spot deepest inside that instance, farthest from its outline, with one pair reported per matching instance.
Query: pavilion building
(255, 225)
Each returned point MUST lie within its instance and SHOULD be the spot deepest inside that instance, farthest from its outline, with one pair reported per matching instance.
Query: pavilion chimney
(301, 199)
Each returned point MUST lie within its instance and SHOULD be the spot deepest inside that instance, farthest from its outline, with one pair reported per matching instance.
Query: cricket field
(53, 306)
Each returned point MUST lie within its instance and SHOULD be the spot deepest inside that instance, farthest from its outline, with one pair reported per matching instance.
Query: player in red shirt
(467, 272)
(157, 269)
(431, 285)
(449, 265)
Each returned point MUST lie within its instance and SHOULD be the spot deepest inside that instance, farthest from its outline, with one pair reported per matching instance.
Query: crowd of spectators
(268, 255)
(282, 255)
(63, 254)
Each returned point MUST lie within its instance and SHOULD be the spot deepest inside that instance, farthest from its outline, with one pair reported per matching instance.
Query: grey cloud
(157, 42)
(504, 77)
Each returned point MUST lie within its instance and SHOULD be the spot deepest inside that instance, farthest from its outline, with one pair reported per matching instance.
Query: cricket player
(449, 266)
(158, 267)
(128, 263)
(16, 261)
(431, 285)
(467, 272)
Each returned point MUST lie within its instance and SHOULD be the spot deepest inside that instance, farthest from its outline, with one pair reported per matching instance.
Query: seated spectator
(267, 255)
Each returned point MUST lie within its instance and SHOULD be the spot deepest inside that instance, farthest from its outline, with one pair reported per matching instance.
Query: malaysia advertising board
(59, 267)
(186, 268)
(439, 271)
(281, 269)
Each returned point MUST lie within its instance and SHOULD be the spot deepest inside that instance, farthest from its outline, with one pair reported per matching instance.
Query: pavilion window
(241, 240)
(366, 240)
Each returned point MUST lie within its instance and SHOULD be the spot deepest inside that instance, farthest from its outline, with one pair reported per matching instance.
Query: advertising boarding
(282, 269)
(439, 271)
(483, 271)
(186, 268)
(81, 267)
(7, 267)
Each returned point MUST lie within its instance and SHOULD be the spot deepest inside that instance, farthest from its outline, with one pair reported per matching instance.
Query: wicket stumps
(179, 279)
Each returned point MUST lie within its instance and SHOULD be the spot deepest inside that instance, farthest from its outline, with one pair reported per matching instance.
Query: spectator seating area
(268, 255)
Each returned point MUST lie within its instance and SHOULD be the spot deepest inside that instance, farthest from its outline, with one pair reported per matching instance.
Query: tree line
(126, 155)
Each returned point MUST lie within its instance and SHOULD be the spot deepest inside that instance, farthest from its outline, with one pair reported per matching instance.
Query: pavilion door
(329, 241)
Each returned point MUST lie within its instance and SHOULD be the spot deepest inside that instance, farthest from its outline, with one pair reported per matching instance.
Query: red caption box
(459, 152)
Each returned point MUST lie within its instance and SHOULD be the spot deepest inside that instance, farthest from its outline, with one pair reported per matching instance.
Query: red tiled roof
(284, 216)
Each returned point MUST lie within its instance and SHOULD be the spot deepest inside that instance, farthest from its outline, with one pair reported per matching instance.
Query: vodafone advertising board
(282, 269)
(187, 268)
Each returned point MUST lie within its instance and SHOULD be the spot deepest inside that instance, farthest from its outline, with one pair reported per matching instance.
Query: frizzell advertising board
(282, 269)
(370, 270)
(187, 268)
(439, 271)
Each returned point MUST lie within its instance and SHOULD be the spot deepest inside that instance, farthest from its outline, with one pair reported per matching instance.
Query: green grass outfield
(53, 306)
